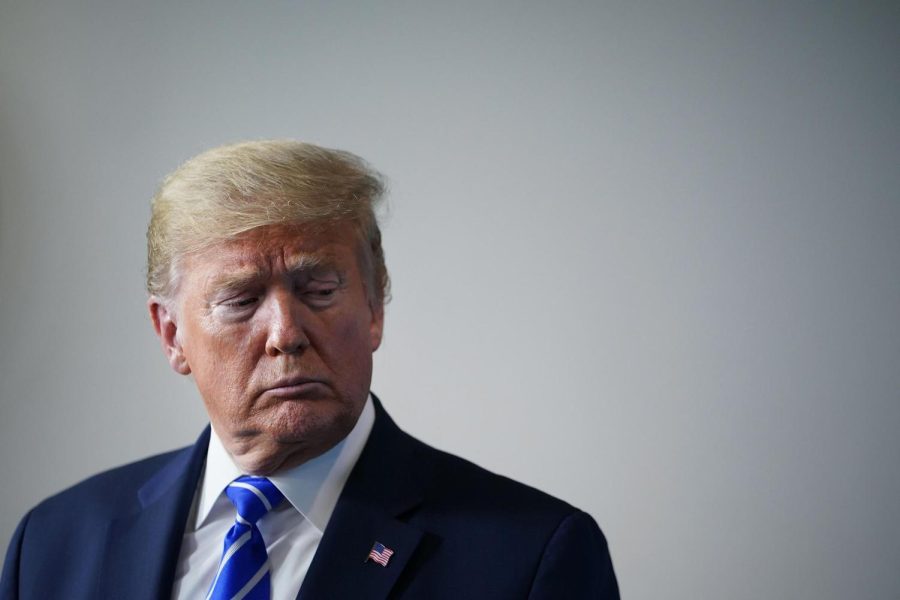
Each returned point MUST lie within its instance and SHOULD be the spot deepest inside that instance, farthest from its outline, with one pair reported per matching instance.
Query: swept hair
(228, 190)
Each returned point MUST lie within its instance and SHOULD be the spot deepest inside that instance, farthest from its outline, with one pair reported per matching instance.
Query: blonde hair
(231, 189)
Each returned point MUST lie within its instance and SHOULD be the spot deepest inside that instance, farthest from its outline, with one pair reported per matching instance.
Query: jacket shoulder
(463, 501)
(449, 482)
(461, 482)
(510, 539)
(109, 492)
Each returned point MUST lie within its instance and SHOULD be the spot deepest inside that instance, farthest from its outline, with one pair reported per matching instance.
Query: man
(267, 284)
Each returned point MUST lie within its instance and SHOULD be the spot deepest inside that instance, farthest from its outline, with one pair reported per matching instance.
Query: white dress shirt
(292, 531)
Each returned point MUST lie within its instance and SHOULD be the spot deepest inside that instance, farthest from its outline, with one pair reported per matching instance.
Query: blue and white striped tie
(244, 569)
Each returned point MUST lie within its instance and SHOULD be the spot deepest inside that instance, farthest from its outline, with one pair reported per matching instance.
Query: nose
(286, 333)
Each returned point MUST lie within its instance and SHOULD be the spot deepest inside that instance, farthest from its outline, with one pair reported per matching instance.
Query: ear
(166, 327)
(376, 327)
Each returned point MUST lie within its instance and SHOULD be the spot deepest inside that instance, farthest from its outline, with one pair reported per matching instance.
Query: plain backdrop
(645, 256)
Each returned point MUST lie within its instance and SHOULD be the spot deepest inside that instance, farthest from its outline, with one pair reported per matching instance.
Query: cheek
(228, 343)
(355, 336)
(222, 365)
(346, 348)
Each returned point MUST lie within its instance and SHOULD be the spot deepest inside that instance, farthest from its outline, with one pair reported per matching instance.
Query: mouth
(296, 387)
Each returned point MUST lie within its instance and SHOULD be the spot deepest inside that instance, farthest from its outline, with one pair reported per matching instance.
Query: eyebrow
(240, 279)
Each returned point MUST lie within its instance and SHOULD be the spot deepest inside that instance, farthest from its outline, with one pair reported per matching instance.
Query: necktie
(244, 569)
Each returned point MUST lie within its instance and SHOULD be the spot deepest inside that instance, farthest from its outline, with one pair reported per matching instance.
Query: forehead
(275, 248)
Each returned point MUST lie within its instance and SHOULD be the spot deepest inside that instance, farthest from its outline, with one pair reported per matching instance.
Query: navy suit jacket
(457, 531)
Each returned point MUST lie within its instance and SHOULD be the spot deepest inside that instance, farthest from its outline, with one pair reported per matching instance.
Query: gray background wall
(645, 255)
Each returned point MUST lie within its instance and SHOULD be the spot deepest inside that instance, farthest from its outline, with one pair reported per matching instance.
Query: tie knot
(253, 497)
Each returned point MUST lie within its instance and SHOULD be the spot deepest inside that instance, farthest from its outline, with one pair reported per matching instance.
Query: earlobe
(166, 327)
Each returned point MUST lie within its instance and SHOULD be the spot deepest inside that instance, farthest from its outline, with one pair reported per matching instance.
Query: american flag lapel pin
(380, 554)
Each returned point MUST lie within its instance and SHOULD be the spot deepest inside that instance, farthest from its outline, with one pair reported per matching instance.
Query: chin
(316, 427)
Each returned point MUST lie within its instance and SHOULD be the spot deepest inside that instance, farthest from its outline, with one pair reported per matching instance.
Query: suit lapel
(378, 492)
(142, 547)
(340, 568)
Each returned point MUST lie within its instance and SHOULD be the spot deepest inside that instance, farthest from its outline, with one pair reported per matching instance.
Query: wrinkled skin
(278, 331)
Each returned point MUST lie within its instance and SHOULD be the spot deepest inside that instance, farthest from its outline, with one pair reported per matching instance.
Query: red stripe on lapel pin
(380, 554)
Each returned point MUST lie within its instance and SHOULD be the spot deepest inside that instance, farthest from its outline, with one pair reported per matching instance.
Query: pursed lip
(293, 386)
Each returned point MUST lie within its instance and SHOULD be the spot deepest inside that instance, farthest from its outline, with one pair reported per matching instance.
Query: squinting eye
(320, 294)
(242, 303)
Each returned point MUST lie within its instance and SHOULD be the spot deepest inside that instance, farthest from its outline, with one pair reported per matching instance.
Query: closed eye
(321, 293)
(242, 302)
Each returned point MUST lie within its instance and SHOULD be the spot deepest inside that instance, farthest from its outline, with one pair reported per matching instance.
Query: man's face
(277, 329)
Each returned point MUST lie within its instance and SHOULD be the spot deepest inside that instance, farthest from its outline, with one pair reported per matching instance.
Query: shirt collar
(312, 488)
